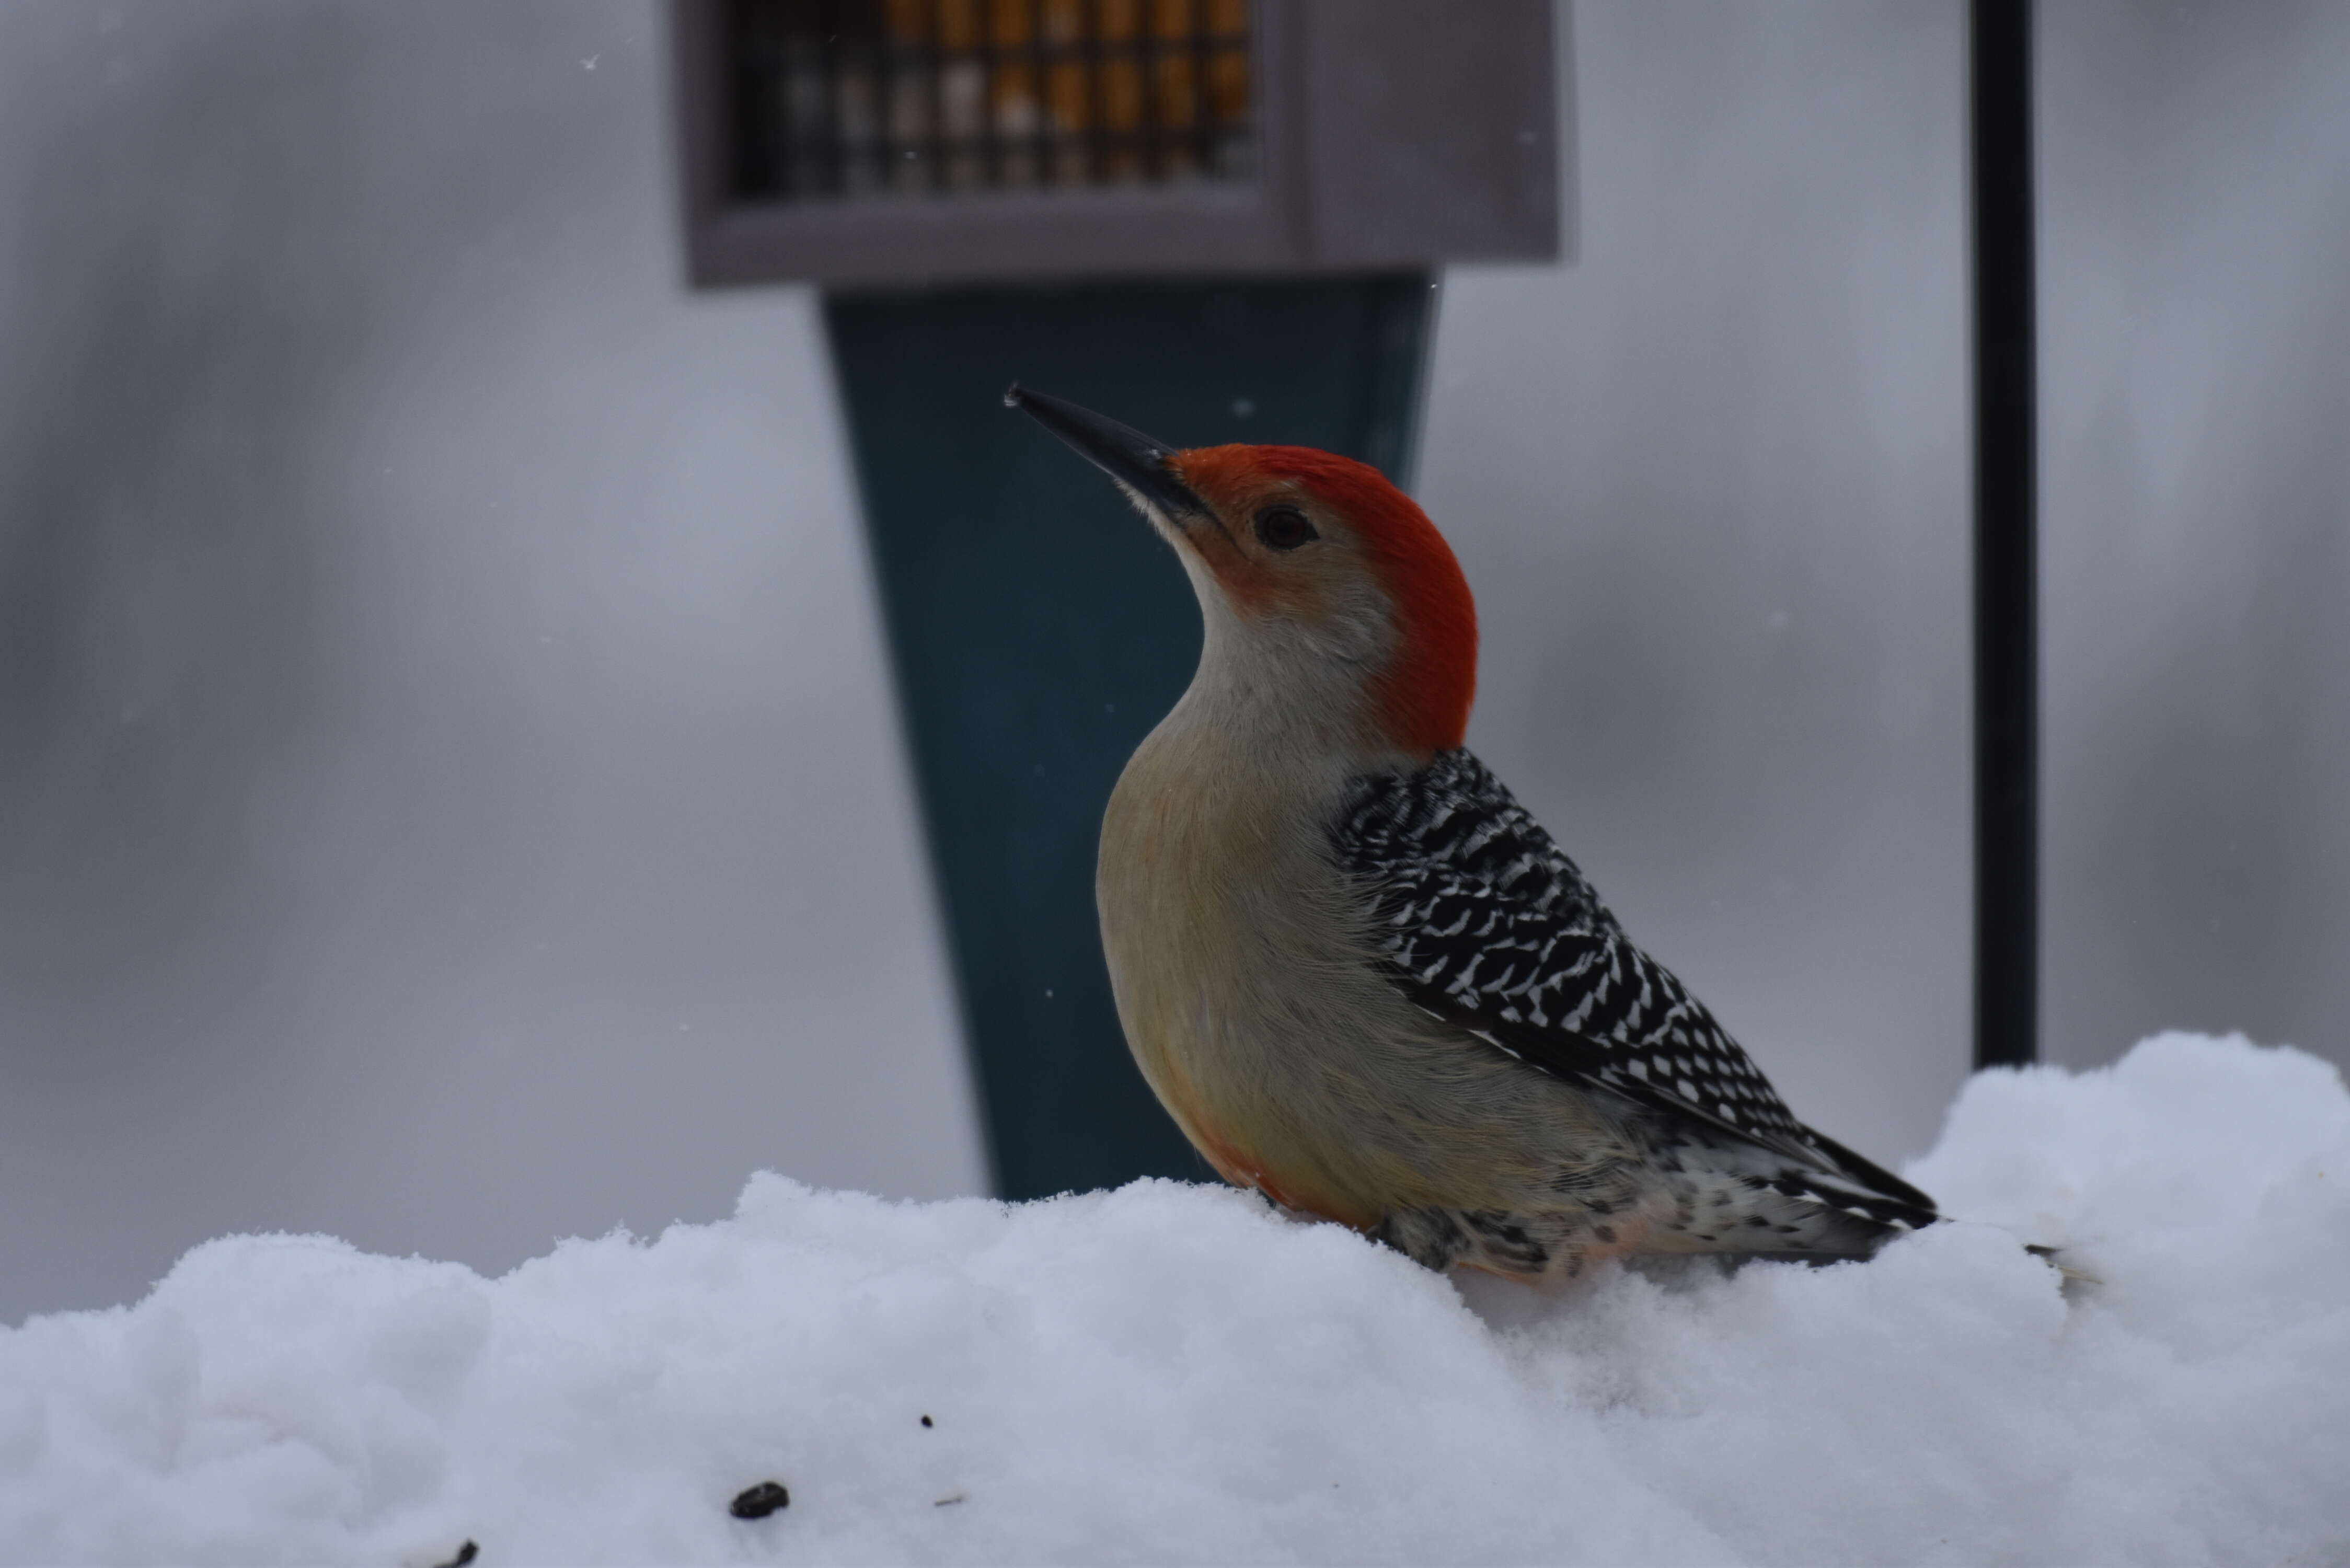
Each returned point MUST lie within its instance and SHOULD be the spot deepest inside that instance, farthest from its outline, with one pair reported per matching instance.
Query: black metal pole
(2007, 705)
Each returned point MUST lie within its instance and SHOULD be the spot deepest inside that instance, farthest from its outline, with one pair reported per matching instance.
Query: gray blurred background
(450, 795)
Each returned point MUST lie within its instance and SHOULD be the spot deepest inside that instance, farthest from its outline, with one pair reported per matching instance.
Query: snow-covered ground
(1171, 1374)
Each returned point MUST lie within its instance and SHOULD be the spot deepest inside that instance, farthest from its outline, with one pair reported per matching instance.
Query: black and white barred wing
(1484, 919)
(1484, 922)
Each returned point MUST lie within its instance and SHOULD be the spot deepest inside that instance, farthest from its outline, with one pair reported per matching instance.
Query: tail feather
(1900, 1202)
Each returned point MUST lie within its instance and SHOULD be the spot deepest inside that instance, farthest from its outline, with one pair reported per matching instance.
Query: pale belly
(1252, 1005)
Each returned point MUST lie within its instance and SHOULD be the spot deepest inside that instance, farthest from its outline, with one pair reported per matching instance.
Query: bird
(1359, 976)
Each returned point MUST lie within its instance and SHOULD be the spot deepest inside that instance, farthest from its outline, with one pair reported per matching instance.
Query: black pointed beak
(1139, 464)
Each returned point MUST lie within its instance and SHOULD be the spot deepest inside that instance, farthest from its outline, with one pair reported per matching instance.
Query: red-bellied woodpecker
(1359, 975)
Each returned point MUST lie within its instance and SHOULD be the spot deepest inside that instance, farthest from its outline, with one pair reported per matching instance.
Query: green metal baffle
(1039, 628)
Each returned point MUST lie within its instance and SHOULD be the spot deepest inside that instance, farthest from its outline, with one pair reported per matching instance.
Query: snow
(1170, 1373)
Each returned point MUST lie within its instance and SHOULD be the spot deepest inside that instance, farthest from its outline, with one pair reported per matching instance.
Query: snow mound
(1171, 1374)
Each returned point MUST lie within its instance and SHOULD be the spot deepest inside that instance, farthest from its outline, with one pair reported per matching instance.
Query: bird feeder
(1217, 219)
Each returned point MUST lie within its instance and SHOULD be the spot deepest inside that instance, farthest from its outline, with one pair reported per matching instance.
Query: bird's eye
(1285, 528)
